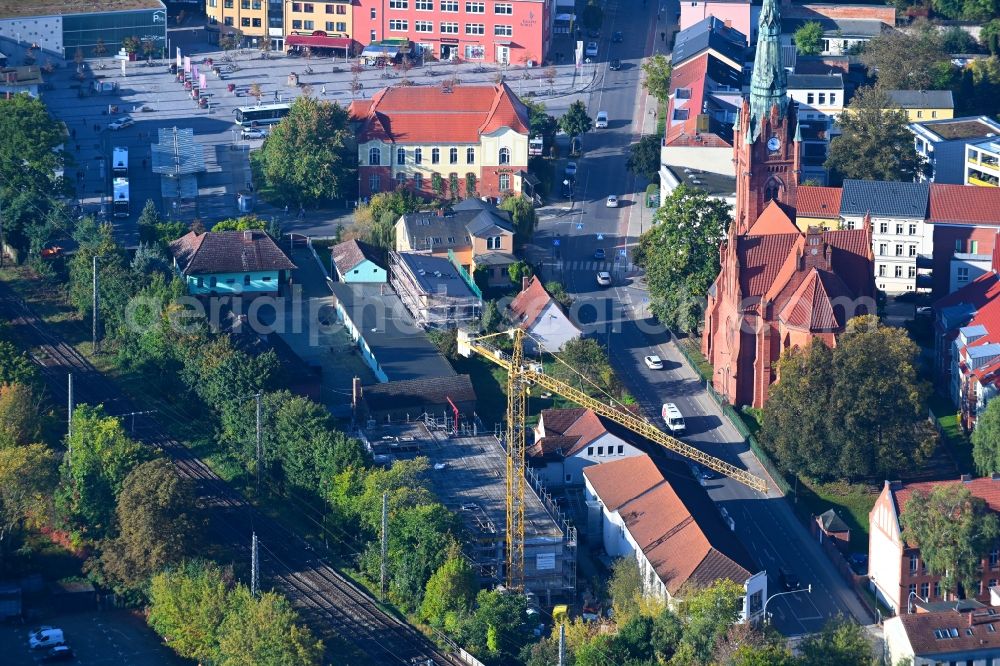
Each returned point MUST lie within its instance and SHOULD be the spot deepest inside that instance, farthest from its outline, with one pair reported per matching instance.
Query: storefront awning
(380, 51)
(319, 41)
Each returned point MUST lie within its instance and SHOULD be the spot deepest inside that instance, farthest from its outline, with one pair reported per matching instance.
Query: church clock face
(773, 144)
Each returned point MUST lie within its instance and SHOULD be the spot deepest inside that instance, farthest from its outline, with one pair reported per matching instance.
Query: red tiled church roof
(811, 306)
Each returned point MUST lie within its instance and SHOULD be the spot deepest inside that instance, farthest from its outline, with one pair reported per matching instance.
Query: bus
(119, 162)
(119, 206)
(266, 114)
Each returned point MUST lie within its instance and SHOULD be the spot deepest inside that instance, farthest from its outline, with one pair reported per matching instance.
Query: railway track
(328, 602)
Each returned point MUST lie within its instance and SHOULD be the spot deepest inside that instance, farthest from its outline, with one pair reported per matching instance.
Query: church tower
(766, 138)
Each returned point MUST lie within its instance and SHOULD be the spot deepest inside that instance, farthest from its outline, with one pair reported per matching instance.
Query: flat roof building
(943, 144)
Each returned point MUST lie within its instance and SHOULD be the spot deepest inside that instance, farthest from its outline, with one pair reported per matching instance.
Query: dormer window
(493, 243)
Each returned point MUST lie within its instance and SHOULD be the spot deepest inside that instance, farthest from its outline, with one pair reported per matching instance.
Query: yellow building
(286, 24)
(982, 163)
(924, 104)
(817, 207)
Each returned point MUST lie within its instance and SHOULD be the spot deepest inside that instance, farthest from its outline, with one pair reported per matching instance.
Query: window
(424, 5)
(374, 183)
(227, 20)
(328, 9)
(308, 25)
(822, 98)
(912, 590)
(418, 155)
(418, 181)
(435, 155)
(810, 98)
(504, 182)
(833, 99)
(329, 26)
(399, 4)
(937, 589)
(590, 450)
(621, 449)
(475, 29)
(883, 227)
(341, 26)
(449, 6)
(341, 9)
(308, 8)
(504, 157)
(296, 6)
(228, 4)
(912, 273)
(973, 247)
(493, 243)
(400, 179)
(503, 8)
(423, 26)
(882, 248)
(470, 155)
(899, 271)
(959, 245)
(201, 282)
(920, 114)
(213, 3)
(600, 450)
(373, 35)
(213, 281)
(453, 156)
(913, 230)
(913, 565)
(503, 30)
(398, 25)
(245, 22)
(924, 589)
(963, 274)
(899, 250)
(913, 250)
(373, 12)
(374, 156)
(994, 562)
(401, 156)
(899, 229)
(449, 28)
(475, 7)
(245, 4)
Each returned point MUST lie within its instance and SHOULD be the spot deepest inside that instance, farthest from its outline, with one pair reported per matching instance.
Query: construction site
(468, 473)
(433, 290)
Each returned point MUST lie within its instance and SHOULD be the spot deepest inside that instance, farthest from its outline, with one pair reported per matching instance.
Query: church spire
(768, 86)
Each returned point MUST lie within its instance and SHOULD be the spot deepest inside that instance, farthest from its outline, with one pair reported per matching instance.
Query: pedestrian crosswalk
(594, 266)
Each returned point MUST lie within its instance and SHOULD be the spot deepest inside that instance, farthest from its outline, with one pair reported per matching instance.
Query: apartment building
(921, 105)
(821, 101)
(284, 24)
(943, 144)
(516, 32)
(982, 162)
(965, 219)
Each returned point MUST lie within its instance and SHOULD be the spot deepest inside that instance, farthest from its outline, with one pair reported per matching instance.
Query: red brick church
(778, 287)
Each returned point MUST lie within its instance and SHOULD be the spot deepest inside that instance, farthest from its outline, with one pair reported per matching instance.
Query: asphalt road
(568, 236)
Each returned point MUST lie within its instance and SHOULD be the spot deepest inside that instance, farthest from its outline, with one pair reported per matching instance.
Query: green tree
(558, 291)
(576, 121)
(841, 641)
(586, 367)
(656, 81)
(875, 143)
(667, 631)
(94, 474)
(451, 590)
(308, 158)
(540, 122)
(150, 216)
(956, 40)
(954, 531)
(27, 479)
(967, 10)
(130, 45)
(625, 588)
(518, 271)
(244, 223)
(809, 38)
(593, 16)
(904, 60)
(264, 631)
(989, 35)
(707, 615)
(156, 526)
(522, 213)
(16, 367)
(644, 157)
(498, 628)
(187, 606)
(986, 440)
(20, 415)
(492, 318)
(680, 253)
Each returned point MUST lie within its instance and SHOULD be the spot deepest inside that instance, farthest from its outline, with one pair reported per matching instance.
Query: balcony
(984, 181)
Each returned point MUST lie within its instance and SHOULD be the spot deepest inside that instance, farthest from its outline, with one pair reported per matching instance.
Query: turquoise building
(231, 262)
(357, 262)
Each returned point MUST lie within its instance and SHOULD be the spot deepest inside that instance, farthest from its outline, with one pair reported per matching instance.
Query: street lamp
(809, 589)
(909, 606)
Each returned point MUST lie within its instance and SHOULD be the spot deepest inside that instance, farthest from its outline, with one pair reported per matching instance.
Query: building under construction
(433, 290)
(468, 474)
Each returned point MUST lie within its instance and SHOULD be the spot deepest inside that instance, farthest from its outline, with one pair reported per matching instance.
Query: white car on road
(591, 51)
(612, 201)
(604, 279)
(121, 123)
(570, 168)
(601, 122)
(254, 133)
(653, 362)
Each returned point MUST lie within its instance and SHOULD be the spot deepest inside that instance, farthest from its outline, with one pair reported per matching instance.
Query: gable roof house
(542, 318)
(231, 262)
(966, 219)
(569, 440)
(473, 233)
(357, 261)
(957, 635)
(673, 530)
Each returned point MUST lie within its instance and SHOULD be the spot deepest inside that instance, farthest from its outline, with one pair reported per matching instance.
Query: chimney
(248, 235)
(356, 392)
(525, 281)
(966, 478)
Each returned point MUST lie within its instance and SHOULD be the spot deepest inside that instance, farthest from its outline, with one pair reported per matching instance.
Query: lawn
(952, 434)
(661, 119)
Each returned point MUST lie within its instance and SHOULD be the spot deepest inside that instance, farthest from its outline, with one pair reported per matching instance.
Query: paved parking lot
(168, 104)
(99, 638)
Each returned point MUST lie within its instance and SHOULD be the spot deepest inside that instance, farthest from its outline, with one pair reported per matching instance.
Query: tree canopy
(954, 530)
(986, 440)
(308, 157)
(522, 213)
(656, 70)
(644, 157)
(809, 38)
(450, 591)
(541, 123)
(576, 121)
(906, 60)
(680, 253)
(875, 143)
(856, 411)
(27, 478)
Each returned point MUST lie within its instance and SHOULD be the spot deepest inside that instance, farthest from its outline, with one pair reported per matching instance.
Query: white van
(46, 638)
(673, 418)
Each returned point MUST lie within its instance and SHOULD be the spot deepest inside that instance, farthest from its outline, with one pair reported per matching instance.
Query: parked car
(617, 38)
(788, 580)
(254, 133)
(600, 254)
(591, 51)
(612, 201)
(604, 279)
(653, 362)
(615, 65)
(121, 123)
(59, 653)
(925, 311)
(570, 168)
(46, 638)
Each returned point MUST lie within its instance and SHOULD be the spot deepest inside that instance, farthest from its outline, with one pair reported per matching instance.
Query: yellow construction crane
(520, 376)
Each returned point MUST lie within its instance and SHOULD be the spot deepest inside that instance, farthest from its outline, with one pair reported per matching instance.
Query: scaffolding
(432, 290)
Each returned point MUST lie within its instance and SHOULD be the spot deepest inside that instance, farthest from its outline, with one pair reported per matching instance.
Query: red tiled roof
(773, 220)
(984, 488)
(692, 75)
(984, 289)
(552, 446)
(228, 252)
(580, 425)
(813, 201)
(660, 523)
(964, 204)
(974, 640)
(558, 421)
(528, 305)
(811, 307)
(761, 258)
(852, 259)
(428, 114)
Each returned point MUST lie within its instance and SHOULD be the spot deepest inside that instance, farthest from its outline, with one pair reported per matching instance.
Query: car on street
(612, 201)
(925, 311)
(254, 133)
(59, 653)
(591, 51)
(788, 580)
(570, 168)
(604, 279)
(601, 121)
(617, 38)
(653, 362)
(615, 65)
(121, 123)
(707, 474)
(600, 254)
(46, 638)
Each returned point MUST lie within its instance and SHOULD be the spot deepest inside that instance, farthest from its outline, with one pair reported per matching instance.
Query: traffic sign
(555, 241)
(600, 236)
(621, 252)
(579, 225)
